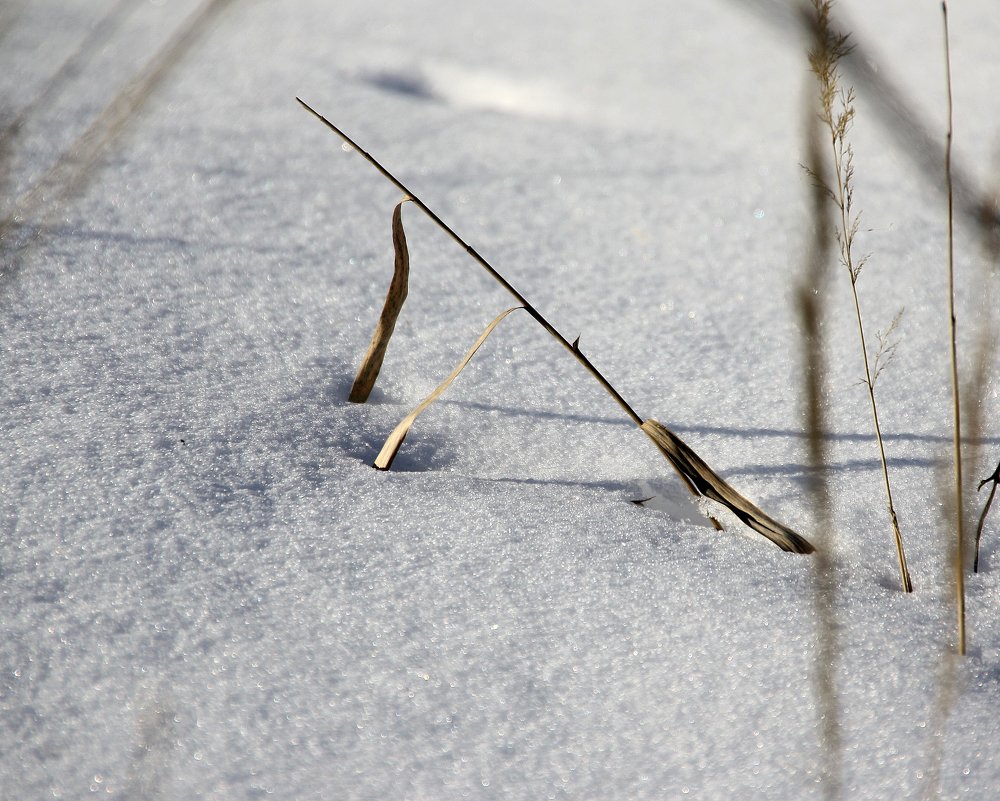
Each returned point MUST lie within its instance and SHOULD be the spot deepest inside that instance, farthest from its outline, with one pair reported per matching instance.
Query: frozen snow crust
(208, 593)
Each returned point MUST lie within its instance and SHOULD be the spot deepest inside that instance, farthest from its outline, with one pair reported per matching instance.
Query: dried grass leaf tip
(712, 486)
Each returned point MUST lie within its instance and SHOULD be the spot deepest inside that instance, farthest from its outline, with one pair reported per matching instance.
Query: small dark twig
(995, 478)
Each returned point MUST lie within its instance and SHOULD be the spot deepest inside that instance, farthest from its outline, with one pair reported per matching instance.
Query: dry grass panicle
(836, 113)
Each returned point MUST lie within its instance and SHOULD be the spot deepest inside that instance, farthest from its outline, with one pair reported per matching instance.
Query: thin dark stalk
(572, 347)
(995, 478)
(959, 552)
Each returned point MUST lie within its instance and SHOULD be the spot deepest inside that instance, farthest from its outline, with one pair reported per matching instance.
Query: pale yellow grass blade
(371, 364)
(395, 439)
(708, 483)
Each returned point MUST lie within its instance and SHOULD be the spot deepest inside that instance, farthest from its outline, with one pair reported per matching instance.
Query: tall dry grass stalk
(958, 552)
(701, 480)
(948, 671)
(837, 115)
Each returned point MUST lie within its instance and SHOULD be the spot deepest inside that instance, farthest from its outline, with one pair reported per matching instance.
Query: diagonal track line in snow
(25, 223)
(92, 43)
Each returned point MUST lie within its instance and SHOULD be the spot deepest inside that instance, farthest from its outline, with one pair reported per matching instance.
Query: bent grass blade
(371, 364)
(395, 439)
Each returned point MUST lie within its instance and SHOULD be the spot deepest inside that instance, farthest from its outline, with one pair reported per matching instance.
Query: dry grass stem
(837, 115)
(692, 479)
(959, 510)
(395, 439)
(371, 363)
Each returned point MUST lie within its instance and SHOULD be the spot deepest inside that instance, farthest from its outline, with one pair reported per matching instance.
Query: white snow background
(205, 589)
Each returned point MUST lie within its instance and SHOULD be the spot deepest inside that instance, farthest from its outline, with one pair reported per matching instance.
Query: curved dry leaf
(395, 439)
(707, 482)
(371, 364)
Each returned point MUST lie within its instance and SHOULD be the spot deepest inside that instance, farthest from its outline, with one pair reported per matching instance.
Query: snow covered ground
(205, 590)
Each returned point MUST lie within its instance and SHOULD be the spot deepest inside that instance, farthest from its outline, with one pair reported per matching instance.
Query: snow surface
(206, 590)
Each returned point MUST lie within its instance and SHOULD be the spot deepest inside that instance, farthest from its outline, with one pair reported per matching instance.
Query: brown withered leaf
(395, 439)
(708, 483)
(371, 364)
